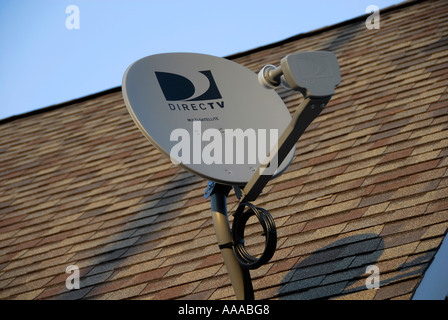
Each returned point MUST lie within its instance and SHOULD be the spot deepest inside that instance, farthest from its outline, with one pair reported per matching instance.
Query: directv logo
(199, 87)
(178, 88)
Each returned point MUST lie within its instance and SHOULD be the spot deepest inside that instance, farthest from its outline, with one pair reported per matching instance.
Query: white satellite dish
(184, 99)
(173, 91)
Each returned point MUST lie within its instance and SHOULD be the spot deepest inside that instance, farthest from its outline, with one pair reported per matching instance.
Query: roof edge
(230, 57)
(320, 30)
(59, 105)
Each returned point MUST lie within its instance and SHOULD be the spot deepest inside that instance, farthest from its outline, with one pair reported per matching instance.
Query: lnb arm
(315, 75)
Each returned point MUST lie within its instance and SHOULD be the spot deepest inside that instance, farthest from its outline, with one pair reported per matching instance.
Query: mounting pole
(239, 277)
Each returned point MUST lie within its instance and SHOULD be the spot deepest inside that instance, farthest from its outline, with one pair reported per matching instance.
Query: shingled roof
(80, 185)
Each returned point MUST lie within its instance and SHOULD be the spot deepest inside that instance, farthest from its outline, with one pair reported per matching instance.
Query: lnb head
(314, 73)
(270, 76)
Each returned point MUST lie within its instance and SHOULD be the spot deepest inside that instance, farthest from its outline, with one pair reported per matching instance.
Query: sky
(47, 59)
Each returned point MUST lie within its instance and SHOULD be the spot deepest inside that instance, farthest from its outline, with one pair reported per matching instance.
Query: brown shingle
(400, 288)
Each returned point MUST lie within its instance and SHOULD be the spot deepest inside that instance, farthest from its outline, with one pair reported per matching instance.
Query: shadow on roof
(334, 269)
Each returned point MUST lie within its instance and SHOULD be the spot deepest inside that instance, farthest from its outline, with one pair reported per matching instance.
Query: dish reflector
(175, 98)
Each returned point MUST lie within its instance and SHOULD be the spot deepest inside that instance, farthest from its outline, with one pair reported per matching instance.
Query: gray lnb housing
(314, 74)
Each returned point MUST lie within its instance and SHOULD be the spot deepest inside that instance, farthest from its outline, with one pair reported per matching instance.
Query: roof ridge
(320, 30)
(60, 105)
(230, 57)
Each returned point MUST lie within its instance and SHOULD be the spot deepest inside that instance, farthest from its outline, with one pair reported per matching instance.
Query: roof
(80, 185)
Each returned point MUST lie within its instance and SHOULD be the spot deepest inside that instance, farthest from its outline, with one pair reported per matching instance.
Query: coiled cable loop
(246, 260)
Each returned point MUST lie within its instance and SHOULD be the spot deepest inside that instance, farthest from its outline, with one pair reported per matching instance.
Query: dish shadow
(335, 269)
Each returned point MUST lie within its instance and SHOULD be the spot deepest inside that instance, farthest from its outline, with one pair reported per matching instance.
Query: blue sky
(42, 62)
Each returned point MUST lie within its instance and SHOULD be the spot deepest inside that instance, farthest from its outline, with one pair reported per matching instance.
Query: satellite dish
(190, 104)
(193, 107)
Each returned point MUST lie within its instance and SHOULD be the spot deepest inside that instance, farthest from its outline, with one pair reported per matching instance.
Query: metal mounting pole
(239, 277)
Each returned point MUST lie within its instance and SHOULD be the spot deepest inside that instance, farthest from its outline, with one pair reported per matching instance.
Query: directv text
(196, 106)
